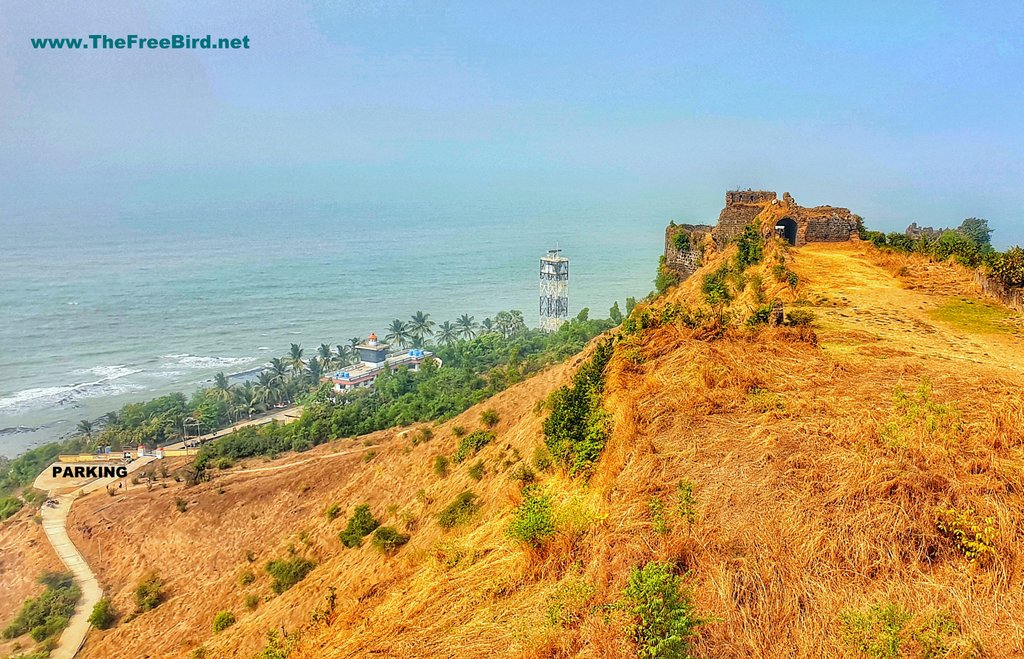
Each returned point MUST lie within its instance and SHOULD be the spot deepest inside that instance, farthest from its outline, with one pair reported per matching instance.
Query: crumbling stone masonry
(784, 218)
(685, 245)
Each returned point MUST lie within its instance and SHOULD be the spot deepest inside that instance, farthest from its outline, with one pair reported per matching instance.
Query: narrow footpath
(55, 526)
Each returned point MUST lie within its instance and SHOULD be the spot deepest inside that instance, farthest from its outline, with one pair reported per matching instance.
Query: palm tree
(85, 427)
(517, 323)
(398, 333)
(488, 325)
(325, 354)
(447, 333)
(265, 393)
(313, 370)
(467, 326)
(221, 387)
(278, 368)
(343, 355)
(295, 358)
(421, 327)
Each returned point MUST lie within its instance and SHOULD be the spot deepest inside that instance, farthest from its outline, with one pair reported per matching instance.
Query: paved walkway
(55, 526)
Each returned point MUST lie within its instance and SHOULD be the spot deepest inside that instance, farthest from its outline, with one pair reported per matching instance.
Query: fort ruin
(685, 244)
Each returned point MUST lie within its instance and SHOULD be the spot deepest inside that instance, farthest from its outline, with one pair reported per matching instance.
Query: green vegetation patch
(149, 593)
(48, 614)
(9, 506)
(891, 632)
(533, 521)
(665, 619)
(471, 444)
(387, 539)
(975, 316)
(288, 571)
(360, 525)
(103, 615)
(459, 511)
(578, 427)
(223, 620)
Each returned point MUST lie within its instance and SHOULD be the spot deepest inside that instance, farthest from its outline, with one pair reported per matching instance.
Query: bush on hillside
(489, 418)
(47, 615)
(246, 578)
(102, 616)
(332, 512)
(714, 287)
(387, 539)
(666, 277)
(476, 470)
(1009, 267)
(149, 593)
(223, 620)
(288, 571)
(750, 248)
(458, 511)
(360, 525)
(577, 428)
(471, 444)
(9, 506)
(533, 521)
(441, 466)
(665, 619)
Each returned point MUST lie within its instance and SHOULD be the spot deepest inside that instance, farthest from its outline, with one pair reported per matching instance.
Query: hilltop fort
(685, 244)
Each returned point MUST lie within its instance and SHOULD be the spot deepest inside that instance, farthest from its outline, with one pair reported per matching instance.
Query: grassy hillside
(848, 487)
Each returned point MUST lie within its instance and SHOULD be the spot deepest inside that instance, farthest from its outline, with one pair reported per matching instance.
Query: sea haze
(102, 310)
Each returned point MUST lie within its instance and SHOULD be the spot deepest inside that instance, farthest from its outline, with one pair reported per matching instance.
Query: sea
(99, 309)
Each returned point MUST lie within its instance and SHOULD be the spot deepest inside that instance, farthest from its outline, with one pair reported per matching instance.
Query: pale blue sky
(903, 113)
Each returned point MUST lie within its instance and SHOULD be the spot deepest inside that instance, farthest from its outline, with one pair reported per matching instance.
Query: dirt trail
(870, 308)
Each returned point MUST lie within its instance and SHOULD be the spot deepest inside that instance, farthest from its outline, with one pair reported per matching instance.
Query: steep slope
(822, 465)
(24, 556)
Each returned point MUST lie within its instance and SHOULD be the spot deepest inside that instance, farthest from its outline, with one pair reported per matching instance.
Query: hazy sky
(908, 112)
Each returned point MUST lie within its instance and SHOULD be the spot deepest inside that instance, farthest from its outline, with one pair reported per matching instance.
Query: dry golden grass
(819, 460)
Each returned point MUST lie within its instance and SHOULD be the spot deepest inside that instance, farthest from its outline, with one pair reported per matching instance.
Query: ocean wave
(200, 362)
(109, 384)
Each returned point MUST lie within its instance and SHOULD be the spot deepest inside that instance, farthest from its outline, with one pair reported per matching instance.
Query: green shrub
(387, 539)
(476, 470)
(800, 317)
(974, 536)
(542, 460)
(224, 463)
(440, 466)
(252, 600)
(102, 616)
(666, 277)
(533, 521)
(524, 474)
(47, 615)
(332, 512)
(180, 504)
(657, 509)
(877, 632)
(1009, 267)
(287, 572)
(360, 525)
(750, 246)
(422, 436)
(149, 593)
(459, 431)
(458, 511)
(489, 418)
(681, 241)
(577, 428)
(714, 288)
(664, 616)
(471, 444)
(686, 503)
(223, 620)
(246, 578)
(9, 506)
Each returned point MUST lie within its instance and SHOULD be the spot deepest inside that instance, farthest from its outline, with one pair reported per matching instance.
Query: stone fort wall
(686, 261)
